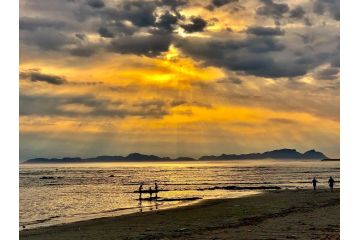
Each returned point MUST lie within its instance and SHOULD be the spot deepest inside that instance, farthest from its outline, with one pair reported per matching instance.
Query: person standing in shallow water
(140, 190)
(314, 182)
(150, 191)
(331, 183)
(156, 189)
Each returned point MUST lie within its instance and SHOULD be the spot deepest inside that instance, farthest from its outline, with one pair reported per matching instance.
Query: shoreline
(209, 216)
(137, 210)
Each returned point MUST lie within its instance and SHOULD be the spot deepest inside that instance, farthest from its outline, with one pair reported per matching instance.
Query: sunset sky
(178, 78)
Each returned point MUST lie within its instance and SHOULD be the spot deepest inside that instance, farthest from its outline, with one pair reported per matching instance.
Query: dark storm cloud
(261, 44)
(46, 39)
(220, 3)
(259, 56)
(45, 105)
(151, 45)
(96, 3)
(272, 9)
(81, 36)
(140, 13)
(83, 51)
(37, 76)
(173, 3)
(263, 51)
(105, 33)
(265, 31)
(297, 13)
(28, 23)
(167, 21)
(335, 61)
(197, 25)
(327, 74)
(330, 6)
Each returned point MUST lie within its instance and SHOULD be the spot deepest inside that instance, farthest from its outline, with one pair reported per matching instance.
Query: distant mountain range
(138, 157)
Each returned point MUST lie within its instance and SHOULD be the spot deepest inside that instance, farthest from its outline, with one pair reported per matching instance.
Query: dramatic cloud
(254, 55)
(151, 45)
(297, 12)
(272, 9)
(167, 21)
(46, 39)
(83, 51)
(140, 13)
(199, 73)
(96, 3)
(220, 3)
(36, 76)
(330, 6)
(28, 23)
(104, 32)
(89, 105)
(174, 4)
(265, 31)
(197, 25)
(327, 74)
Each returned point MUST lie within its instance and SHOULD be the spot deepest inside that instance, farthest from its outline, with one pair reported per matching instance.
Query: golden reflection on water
(72, 192)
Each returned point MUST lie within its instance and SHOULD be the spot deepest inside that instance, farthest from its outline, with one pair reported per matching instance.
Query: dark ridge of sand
(241, 188)
(160, 199)
(330, 160)
(287, 214)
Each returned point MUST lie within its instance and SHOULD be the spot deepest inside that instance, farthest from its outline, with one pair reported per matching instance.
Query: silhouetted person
(150, 191)
(140, 190)
(331, 183)
(314, 182)
(156, 189)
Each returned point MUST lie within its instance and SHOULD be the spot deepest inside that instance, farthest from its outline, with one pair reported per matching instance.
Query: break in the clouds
(190, 71)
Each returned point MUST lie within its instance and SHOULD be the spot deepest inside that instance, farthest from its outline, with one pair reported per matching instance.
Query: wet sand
(287, 214)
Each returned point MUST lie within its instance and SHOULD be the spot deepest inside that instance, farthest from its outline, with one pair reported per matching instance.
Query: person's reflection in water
(156, 205)
(140, 205)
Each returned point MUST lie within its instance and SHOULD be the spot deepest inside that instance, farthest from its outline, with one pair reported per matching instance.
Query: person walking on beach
(156, 189)
(314, 182)
(150, 191)
(331, 183)
(140, 190)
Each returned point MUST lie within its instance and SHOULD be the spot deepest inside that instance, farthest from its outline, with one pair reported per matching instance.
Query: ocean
(53, 194)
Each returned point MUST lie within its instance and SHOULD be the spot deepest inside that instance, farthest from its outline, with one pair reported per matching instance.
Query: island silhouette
(138, 157)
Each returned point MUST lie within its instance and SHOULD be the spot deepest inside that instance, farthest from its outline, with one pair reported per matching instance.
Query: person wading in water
(331, 183)
(140, 190)
(156, 189)
(314, 182)
(150, 191)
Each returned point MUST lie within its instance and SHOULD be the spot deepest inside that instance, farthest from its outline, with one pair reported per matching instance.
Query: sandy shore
(289, 214)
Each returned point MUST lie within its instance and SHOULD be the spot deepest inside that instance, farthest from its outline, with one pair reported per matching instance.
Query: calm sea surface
(85, 191)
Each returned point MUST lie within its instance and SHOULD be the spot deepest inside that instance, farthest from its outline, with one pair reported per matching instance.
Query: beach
(280, 214)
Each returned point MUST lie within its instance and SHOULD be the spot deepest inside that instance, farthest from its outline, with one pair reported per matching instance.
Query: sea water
(53, 194)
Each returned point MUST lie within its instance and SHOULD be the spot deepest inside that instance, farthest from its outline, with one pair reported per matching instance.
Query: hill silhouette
(138, 157)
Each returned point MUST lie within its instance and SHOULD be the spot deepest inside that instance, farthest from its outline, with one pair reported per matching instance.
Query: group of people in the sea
(150, 191)
(330, 183)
